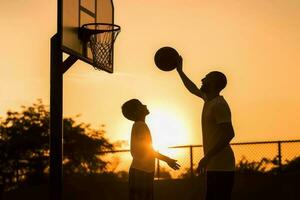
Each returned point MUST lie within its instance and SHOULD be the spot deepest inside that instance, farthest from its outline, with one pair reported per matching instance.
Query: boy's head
(134, 110)
(214, 82)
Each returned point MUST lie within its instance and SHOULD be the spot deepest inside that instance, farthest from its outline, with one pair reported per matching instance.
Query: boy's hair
(130, 109)
(219, 79)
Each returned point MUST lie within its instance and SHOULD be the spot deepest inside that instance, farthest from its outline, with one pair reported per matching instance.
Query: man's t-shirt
(215, 112)
(141, 148)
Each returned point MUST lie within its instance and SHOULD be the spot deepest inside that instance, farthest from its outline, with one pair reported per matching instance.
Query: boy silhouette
(141, 172)
(217, 132)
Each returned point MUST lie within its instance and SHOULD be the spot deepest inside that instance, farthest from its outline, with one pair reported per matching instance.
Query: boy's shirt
(141, 148)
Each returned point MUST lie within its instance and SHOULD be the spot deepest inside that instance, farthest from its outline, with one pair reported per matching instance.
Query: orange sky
(256, 43)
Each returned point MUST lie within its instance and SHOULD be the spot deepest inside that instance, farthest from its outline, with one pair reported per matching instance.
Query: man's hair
(220, 80)
(130, 109)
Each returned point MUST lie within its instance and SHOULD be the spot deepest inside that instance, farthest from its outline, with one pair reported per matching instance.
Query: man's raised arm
(187, 82)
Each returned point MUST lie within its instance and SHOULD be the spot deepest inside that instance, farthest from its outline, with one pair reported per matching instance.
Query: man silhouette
(217, 132)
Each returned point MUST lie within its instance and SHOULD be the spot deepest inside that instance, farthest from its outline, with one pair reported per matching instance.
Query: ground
(247, 187)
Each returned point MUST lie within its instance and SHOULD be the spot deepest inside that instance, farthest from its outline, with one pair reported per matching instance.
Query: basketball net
(102, 44)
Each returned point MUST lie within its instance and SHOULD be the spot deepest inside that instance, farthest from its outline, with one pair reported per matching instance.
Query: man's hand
(173, 164)
(179, 65)
(202, 165)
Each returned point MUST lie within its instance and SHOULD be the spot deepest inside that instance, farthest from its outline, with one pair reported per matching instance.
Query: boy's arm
(161, 156)
(171, 162)
(187, 82)
(141, 147)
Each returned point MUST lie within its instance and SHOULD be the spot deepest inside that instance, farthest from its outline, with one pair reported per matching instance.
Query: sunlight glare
(167, 129)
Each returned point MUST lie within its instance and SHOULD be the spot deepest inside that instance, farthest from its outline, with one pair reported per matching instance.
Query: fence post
(279, 157)
(191, 161)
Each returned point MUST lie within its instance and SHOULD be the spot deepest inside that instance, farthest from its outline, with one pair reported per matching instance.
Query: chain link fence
(251, 157)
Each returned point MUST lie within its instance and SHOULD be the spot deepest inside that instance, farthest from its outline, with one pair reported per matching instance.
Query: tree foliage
(245, 166)
(83, 147)
(24, 144)
(268, 166)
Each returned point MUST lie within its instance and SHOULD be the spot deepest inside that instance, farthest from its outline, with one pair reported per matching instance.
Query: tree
(25, 137)
(83, 147)
(292, 165)
(24, 145)
(245, 166)
(289, 167)
(268, 166)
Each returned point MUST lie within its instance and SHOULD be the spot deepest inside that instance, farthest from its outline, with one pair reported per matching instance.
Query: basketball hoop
(100, 37)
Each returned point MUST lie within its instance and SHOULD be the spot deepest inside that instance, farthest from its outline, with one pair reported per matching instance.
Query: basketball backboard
(76, 13)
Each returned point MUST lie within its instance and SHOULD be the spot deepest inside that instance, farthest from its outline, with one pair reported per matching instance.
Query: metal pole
(191, 161)
(157, 172)
(279, 157)
(56, 110)
(56, 119)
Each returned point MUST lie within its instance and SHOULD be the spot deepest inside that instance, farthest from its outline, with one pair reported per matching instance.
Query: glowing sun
(167, 129)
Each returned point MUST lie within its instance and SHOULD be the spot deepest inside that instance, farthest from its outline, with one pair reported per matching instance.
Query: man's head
(134, 110)
(214, 82)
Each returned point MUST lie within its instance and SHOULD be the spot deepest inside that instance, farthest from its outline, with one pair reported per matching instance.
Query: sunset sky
(256, 43)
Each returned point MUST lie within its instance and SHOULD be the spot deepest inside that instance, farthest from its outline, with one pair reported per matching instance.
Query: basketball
(166, 58)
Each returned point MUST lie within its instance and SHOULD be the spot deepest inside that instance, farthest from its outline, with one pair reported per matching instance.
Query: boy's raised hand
(173, 164)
